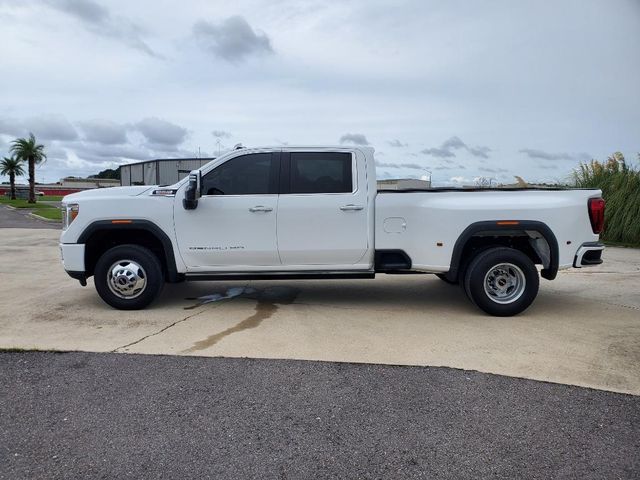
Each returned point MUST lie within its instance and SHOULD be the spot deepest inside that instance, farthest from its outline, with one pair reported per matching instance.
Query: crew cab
(315, 212)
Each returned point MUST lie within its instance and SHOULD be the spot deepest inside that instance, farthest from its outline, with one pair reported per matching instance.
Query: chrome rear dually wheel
(504, 283)
(501, 281)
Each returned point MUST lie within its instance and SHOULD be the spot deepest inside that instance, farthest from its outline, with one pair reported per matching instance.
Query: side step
(307, 275)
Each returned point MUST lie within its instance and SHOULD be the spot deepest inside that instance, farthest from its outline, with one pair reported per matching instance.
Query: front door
(234, 225)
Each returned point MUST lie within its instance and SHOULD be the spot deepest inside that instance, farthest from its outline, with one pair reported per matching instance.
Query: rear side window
(252, 174)
(321, 172)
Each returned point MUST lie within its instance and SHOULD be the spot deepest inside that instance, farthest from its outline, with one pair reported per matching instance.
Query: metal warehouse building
(162, 171)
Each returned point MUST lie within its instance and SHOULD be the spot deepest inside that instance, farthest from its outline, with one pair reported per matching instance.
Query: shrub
(620, 185)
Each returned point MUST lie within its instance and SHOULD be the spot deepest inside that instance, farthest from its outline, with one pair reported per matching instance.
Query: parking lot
(584, 328)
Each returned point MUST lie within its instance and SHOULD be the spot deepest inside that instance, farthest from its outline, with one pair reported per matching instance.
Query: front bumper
(588, 255)
(72, 257)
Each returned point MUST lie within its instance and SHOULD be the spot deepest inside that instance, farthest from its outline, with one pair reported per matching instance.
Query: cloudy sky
(459, 88)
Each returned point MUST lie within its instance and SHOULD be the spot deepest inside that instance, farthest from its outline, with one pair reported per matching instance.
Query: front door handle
(351, 207)
(260, 208)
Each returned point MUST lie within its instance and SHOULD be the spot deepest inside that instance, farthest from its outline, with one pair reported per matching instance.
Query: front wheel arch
(102, 235)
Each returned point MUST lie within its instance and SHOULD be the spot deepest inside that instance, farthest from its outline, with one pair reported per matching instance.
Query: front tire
(128, 277)
(502, 281)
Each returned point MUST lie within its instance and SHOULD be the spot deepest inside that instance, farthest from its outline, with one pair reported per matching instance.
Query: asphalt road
(20, 219)
(87, 415)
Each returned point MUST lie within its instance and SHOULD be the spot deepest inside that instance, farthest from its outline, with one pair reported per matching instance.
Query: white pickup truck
(315, 212)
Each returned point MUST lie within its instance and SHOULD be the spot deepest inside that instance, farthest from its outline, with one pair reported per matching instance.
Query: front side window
(321, 172)
(252, 174)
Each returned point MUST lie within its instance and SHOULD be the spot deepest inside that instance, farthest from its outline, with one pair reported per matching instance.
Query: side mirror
(192, 192)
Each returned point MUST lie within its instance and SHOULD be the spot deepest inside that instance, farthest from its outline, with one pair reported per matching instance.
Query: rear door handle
(260, 208)
(351, 207)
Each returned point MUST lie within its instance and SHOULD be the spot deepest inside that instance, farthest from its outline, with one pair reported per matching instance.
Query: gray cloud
(10, 126)
(438, 152)
(105, 132)
(97, 19)
(96, 153)
(51, 127)
(493, 170)
(454, 143)
(233, 39)
(450, 167)
(411, 166)
(482, 152)
(46, 127)
(161, 132)
(397, 143)
(355, 138)
(542, 155)
(220, 134)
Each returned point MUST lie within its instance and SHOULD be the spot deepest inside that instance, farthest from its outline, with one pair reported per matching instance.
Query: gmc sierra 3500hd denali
(315, 212)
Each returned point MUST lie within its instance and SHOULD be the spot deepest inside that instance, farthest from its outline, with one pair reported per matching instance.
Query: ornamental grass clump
(620, 185)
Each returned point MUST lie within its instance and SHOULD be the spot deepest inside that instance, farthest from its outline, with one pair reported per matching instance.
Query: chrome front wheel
(126, 279)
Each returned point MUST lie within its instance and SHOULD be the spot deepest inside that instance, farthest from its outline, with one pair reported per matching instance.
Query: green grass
(49, 213)
(24, 203)
(620, 185)
(51, 198)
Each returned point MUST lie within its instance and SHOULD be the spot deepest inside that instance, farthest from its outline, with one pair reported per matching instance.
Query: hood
(107, 193)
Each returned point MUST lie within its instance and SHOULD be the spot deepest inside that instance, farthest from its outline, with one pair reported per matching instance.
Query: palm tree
(28, 150)
(11, 166)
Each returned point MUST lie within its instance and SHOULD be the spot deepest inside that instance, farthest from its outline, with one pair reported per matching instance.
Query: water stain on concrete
(267, 303)
(221, 295)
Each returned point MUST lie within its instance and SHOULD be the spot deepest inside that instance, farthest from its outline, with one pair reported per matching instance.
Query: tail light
(596, 214)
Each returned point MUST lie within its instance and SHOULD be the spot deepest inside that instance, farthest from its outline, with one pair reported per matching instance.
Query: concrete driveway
(584, 328)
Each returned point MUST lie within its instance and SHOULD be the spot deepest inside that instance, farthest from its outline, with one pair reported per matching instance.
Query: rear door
(323, 210)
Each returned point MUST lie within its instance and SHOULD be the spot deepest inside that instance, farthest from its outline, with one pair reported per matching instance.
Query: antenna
(198, 152)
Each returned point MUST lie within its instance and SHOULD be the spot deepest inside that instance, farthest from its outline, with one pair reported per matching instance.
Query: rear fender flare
(524, 226)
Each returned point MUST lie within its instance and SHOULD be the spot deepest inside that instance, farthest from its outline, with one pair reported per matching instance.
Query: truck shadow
(393, 294)
(420, 292)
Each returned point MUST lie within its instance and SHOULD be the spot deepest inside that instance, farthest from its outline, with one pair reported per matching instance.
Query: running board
(317, 275)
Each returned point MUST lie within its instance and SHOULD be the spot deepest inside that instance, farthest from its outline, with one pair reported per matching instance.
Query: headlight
(69, 213)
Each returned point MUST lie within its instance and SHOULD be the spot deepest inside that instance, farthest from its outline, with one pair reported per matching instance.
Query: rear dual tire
(501, 281)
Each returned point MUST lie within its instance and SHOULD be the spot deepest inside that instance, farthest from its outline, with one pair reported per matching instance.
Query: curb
(38, 217)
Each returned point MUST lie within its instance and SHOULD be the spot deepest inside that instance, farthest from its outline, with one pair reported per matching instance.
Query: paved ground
(84, 415)
(584, 328)
(20, 219)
